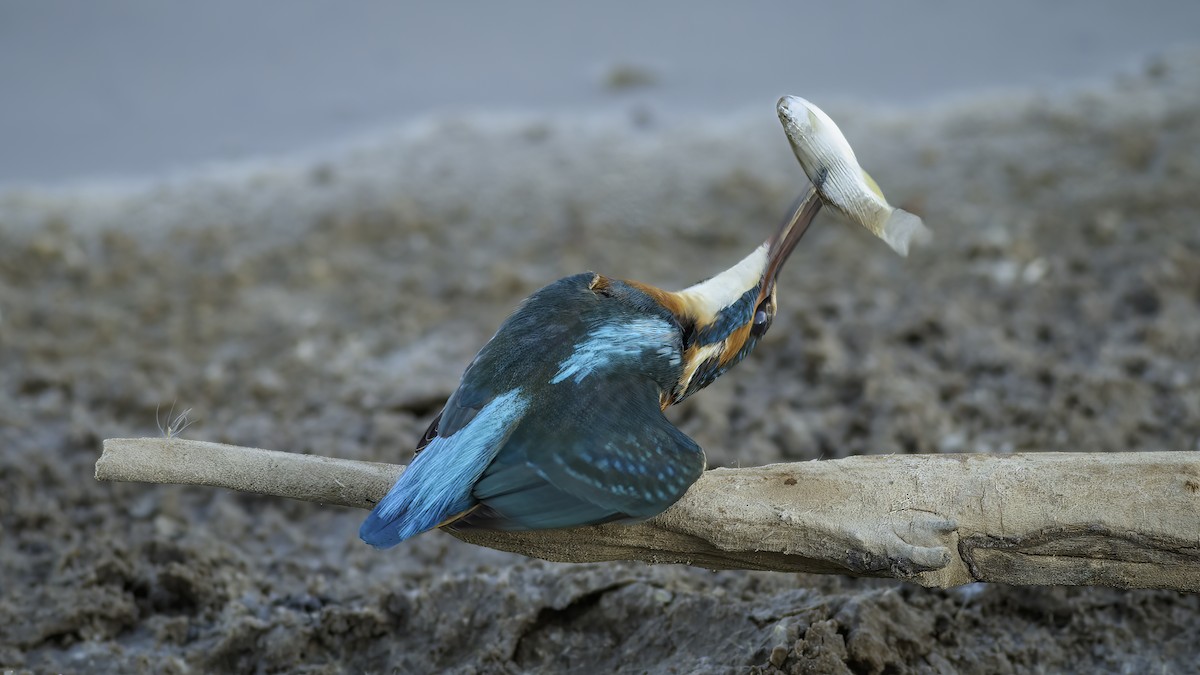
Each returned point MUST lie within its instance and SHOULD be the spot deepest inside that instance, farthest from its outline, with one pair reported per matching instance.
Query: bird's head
(724, 317)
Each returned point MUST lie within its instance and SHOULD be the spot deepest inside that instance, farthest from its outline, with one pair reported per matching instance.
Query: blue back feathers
(610, 344)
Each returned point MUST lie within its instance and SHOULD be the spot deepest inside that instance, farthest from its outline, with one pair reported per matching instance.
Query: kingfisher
(558, 421)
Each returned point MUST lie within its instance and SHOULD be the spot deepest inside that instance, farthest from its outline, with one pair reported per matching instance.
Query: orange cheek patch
(734, 343)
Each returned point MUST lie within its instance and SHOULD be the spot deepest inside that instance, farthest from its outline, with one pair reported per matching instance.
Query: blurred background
(128, 88)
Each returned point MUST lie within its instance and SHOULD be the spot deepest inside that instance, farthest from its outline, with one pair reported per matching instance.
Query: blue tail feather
(400, 515)
(437, 485)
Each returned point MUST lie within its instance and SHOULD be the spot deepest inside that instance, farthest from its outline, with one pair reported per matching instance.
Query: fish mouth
(793, 112)
(783, 242)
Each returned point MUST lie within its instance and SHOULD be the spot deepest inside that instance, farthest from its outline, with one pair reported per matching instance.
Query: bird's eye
(762, 320)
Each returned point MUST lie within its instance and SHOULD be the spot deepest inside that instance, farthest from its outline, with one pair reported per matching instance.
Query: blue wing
(604, 455)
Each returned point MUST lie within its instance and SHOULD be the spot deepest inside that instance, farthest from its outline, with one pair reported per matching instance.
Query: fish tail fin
(902, 228)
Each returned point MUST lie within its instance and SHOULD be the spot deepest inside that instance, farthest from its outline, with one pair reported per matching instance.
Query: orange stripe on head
(734, 343)
(671, 301)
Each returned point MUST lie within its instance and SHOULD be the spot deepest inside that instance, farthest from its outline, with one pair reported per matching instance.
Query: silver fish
(829, 161)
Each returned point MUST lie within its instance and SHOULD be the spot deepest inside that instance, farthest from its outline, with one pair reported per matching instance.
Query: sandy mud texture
(329, 308)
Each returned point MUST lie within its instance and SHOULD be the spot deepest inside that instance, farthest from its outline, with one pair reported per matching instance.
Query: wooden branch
(1128, 520)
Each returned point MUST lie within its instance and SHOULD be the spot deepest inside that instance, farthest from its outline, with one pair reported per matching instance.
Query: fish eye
(760, 317)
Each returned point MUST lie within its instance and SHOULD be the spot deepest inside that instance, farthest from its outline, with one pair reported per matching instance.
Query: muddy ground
(328, 307)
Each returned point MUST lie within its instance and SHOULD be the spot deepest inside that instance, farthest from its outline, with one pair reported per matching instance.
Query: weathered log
(1127, 520)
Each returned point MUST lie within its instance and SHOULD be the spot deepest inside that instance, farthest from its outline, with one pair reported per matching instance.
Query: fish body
(830, 163)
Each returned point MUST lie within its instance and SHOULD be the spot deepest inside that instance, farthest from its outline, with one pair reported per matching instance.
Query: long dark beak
(784, 241)
(703, 302)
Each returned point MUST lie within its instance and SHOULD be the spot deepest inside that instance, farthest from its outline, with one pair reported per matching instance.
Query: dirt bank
(330, 309)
